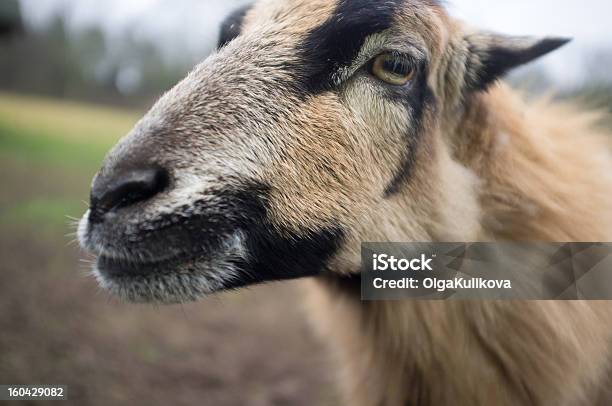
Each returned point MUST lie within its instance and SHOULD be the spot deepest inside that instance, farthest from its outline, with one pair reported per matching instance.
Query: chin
(167, 282)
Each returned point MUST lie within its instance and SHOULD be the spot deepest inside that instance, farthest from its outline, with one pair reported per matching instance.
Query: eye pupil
(395, 66)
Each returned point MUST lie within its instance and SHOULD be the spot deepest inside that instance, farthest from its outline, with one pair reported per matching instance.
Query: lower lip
(118, 268)
(122, 268)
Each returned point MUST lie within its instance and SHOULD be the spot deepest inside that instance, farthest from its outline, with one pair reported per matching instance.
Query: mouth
(226, 244)
(111, 267)
(180, 278)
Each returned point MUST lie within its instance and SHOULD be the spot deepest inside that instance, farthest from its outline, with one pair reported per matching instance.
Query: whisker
(73, 242)
(184, 311)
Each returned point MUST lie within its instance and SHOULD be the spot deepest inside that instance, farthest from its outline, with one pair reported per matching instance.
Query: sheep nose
(125, 188)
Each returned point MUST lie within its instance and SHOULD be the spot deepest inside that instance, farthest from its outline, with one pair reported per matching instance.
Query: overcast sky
(194, 23)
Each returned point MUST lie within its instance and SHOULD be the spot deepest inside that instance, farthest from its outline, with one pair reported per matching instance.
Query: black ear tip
(500, 54)
(543, 47)
(553, 43)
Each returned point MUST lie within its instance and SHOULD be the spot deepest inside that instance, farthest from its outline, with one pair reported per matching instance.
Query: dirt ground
(248, 348)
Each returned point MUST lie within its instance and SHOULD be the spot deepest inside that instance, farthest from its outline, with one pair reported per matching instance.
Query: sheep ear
(231, 27)
(491, 55)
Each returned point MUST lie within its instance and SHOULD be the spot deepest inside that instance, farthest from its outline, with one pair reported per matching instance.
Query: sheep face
(316, 125)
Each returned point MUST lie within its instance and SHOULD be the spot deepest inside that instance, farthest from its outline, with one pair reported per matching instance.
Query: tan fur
(547, 169)
(546, 174)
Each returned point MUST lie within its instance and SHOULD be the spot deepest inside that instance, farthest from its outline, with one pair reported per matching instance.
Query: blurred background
(75, 75)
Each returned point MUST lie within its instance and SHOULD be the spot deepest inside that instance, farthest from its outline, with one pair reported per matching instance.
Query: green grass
(59, 133)
(66, 120)
(43, 147)
(54, 213)
(49, 150)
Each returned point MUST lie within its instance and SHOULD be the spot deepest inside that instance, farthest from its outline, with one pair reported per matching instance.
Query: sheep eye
(393, 69)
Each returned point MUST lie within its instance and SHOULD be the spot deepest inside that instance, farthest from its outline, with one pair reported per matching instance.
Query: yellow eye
(393, 69)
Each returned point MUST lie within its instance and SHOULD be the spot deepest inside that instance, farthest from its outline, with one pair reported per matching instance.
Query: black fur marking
(231, 27)
(344, 284)
(420, 98)
(276, 255)
(337, 42)
(498, 61)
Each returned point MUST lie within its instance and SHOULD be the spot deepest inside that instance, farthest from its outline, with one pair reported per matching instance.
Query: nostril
(125, 189)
